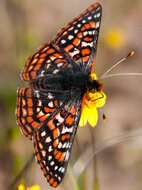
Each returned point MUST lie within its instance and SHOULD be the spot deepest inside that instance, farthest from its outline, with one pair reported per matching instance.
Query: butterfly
(58, 74)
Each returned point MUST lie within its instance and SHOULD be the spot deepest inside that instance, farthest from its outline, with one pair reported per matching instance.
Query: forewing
(79, 37)
(33, 108)
(53, 143)
(47, 60)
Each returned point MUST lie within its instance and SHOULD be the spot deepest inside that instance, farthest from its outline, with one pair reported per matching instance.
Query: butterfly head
(93, 84)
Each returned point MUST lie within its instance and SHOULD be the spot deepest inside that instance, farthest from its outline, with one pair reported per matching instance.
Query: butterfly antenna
(116, 64)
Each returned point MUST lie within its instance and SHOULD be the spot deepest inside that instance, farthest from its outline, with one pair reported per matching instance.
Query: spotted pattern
(53, 143)
(47, 60)
(52, 124)
(79, 37)
(33, 108)
(45, 113)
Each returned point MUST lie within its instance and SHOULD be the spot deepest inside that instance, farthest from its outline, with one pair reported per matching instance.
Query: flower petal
(34, 187)
(83, 118)
(97, 99)
(21, 187)
(92, 117)
(100, 102)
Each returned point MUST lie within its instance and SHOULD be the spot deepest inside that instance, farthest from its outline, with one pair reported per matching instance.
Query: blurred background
(24, 26)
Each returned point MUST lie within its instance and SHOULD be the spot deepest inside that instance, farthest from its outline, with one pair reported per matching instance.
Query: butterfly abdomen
(64, 81)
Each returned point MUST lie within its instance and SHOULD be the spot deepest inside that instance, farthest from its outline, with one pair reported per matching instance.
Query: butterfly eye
(99, 87)
(94, 86)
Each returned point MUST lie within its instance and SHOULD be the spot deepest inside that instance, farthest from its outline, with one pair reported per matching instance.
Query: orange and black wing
(35, 107)
(51, 120)
(79, 38)
(47, 60)
(53, 143)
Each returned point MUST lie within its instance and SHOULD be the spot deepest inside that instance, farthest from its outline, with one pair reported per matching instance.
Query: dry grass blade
(120, 74)
(88, 155)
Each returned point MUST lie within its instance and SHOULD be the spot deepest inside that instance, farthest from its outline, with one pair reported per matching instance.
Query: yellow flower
(35, 187)
(115, 38)
(92, 102)
(22, 187)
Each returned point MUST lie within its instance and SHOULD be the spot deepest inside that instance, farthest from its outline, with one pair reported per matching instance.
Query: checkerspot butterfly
(48, 111)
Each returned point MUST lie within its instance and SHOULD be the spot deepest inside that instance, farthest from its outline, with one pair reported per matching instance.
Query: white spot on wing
(60, 64)
(60, 145)
(40, 113)
(70, 37)
(52, 58)
(68, 144)
(43, 153)
(84, 44)
(95, 16)
(50, 149)
(48, 139)
(50, 95)
(48, 61)
(97, 25)
(55, 71)
(63, 41)
(67, 130)
(50, 104)
(39, 103)
(62, 170)
(38, 109)
(64, 145)
(49, 158)
(48, 65)
(67, 155)
(89, 18)
(56, 167)
(52, 163)
(75, 52)
(42, 73)
(76, 31)
(37, 93)
(90, 32)
(85, 33)
(99, 14)
(59, 118)
(84, 21)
